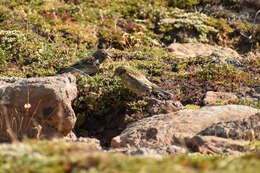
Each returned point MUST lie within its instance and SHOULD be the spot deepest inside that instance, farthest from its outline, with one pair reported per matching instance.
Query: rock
(252, 3)
(257, 93)
(150, 152)
(158, 152)
(251, 94)
(179, 127)
(38, 107)
(182, 50)
(216, 145)
(147, 152)
(71, 136)
(246, 128)
(155, 106)
(214, 98)
(93, 142)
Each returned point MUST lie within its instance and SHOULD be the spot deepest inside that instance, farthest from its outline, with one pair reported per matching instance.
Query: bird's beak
(113, 75)
(109, 56)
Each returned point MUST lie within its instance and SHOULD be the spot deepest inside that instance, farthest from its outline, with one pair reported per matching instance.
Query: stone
(246, 128)
(182, 50)
(252, 3)
(257, 93)
(216, 145)
(93, 142)
(251, 94)
(178, 128)
(71, 136)
(37, 107)
(150, 152)
(155, 106)
(215, 98)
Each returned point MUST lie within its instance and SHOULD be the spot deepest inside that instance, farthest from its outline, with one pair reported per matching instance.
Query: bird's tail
(163, 92)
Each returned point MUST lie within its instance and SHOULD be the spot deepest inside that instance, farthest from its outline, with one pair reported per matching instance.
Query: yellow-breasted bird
(89, 65)
(137, 82)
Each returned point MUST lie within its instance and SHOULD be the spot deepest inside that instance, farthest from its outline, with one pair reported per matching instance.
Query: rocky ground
(205, 53)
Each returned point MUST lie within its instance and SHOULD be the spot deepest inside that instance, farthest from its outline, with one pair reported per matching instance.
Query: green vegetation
(58, 156)
(38, 37)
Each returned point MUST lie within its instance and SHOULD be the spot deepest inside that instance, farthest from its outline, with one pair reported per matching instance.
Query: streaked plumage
(89, 65)
(137, 82)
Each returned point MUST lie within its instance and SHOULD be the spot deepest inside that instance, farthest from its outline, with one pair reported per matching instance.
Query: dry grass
(15, 124)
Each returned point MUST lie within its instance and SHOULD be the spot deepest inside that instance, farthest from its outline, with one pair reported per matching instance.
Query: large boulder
(37, 107)
(181, 127)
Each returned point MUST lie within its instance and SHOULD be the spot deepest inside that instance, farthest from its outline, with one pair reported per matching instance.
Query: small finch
(89, 65)
(137, 82)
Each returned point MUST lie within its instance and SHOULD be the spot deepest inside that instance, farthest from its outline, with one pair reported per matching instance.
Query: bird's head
(101, 55)
(120, 71)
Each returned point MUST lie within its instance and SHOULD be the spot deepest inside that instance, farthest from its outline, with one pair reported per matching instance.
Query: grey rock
(37, 107)
(178, 128)
(155, 106)
(246, 128)
(216, 145)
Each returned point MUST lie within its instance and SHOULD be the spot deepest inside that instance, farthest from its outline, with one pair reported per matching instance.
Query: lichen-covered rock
(179, 127)
(252, 3)
(155, 106)
(246, 128)
(214, 98)
(37, 107)
(201, 49)
(216, 145)
(71, 137)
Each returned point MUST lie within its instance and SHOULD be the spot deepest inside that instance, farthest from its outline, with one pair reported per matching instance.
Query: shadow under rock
(105, 127)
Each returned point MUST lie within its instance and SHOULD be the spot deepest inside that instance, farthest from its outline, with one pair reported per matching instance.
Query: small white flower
(27, 106)
(41, 50)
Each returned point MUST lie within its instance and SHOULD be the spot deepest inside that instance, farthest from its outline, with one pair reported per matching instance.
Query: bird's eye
(122, 71)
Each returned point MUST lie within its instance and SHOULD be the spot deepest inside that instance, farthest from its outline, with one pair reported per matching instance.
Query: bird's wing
(142, 83)
(82, 61)
(139, 82)
(86, 62)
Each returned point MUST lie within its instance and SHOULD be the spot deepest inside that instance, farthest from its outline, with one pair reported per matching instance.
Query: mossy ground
(39, 37)
(60, 156)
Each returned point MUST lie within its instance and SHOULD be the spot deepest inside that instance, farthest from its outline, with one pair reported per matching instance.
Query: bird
(137, 82)
(89, 65)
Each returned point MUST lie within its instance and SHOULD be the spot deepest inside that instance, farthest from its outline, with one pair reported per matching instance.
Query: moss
(183, 3)
(196, 76)
(183, 26)
(188, 4)
(194, 107)
(59, 156)
(39, 37)
(254, 104)
(28, 54)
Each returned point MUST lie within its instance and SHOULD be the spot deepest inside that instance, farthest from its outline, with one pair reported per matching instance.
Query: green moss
(196, 76)
(254, 104)
(194, 107)
(58, 156)
(99, 93)
(187, 27)
(28, 54)
(39, 37)
(183, 3)
(188, 4)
